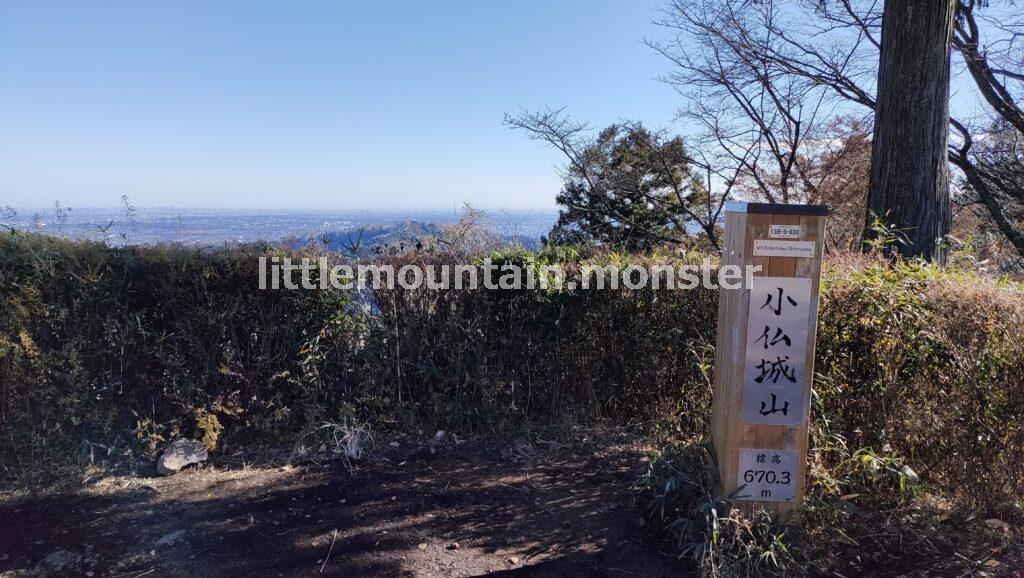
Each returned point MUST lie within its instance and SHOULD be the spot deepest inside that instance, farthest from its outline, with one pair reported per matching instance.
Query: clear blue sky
(302, 104)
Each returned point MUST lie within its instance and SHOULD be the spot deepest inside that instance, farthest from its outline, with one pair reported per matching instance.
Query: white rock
(171, 538)
(179, 454)
(910, 475)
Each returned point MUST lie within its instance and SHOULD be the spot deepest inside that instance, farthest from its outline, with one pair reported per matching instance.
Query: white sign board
(772, 248)
(776, 354)
(784, 231)
(767, 475)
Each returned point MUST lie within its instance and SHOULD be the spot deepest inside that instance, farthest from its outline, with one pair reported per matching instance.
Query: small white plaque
(784, 231)
(766, 475)
(772, 248)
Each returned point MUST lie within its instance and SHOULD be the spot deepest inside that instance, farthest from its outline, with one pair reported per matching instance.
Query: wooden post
(764, 358)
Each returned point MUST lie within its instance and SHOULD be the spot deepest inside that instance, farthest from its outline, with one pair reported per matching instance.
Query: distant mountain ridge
(397, 237)
(366, 240)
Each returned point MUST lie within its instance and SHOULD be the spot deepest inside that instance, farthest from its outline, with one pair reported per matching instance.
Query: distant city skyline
(313, 105)
(198, 225)
(455, 208)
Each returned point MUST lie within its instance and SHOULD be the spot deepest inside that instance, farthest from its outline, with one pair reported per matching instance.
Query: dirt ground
(465, 510)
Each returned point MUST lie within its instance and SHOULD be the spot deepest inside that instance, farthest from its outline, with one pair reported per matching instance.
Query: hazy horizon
(455, 208)
(195, 225)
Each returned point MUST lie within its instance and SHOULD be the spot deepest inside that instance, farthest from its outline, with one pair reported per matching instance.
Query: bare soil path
(463, 511)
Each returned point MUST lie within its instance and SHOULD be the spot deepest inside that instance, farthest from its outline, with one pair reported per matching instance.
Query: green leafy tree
(629, 187)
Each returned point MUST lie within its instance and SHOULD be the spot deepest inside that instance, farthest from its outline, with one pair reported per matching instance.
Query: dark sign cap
(776, 209)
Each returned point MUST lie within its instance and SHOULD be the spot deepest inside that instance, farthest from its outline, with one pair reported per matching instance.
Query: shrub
(124, 349)
(208, 429)
(490, 359)
(705, 527)
(864, 514)
(99, 342)
(927, 361)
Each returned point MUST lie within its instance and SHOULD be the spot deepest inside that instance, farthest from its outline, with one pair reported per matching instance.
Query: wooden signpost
(764, 360)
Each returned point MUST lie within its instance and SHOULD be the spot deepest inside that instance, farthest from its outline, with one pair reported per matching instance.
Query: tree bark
(909, 184)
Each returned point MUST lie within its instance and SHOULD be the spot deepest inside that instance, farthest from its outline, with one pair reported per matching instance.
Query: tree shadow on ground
(461, 513)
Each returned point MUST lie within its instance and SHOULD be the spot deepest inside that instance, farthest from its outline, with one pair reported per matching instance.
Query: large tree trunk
(909, 187)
